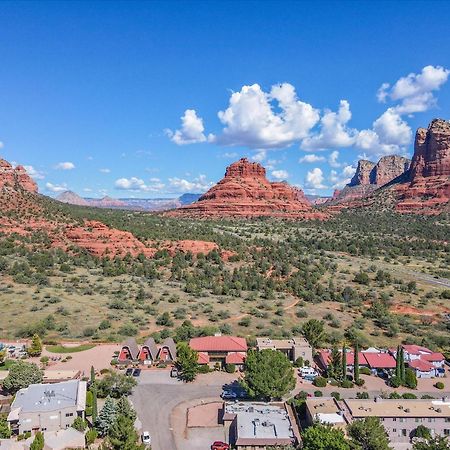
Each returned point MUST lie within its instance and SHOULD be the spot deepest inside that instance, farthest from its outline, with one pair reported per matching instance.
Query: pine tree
(94, 405)
(107, 417)
(397, 363)
(122, 435)
(344, 363)
(356, 362)
(92, 375)
(38, 442)
(402, 365)
(334, 366)
(35, 348)
(124, 408)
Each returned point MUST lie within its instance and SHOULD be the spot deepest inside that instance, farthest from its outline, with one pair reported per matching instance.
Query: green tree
(334, 365)
(38, 442)
(89, 402)
(314, 333)
(79, 424)
(92, 375)
(122, 435)
(5, 432)
(398, 355)
(324, 437)
(437, 443)
(369, 434)
(402, 365)
(124, 408)
(2, 356)
(356, 362)
(410, 379)
(94, 404)
(115, 385)
(344, 363)
(35, 348)
(187, 362)
(21, 375)
(91, 436)
(268, 374)
(422, 432)
(107, 417)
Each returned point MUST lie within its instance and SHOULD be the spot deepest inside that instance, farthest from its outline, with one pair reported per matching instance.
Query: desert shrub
(320, 382)
(364, 371)
(439, 385)
(230, 368)
(347, 384)
(318, 394)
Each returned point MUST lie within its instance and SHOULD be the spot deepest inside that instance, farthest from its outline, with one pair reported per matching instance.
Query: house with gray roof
(44, 407)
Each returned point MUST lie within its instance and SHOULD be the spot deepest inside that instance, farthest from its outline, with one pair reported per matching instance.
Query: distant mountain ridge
(137, 204)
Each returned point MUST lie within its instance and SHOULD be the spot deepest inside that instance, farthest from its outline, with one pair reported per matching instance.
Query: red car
(219, 445)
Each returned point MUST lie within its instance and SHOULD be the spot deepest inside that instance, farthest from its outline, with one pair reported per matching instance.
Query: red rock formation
(363, 172)
(370, 176)
(71, 198)
(428, 188)
(15, 178)
(246, 192)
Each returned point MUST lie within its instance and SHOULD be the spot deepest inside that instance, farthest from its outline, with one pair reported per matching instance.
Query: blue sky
(92, 94)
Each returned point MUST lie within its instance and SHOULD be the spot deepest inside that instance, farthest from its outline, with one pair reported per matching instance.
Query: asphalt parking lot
(157, 395)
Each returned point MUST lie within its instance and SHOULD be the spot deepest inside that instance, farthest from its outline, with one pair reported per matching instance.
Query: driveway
(157, 395)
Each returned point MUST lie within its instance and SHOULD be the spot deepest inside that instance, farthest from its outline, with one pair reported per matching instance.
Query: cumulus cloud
(259, 156)
(415, 91)
(311, 158)
(1, 144)
(65, 166)
(199, 184)
(315, 179)
(105, 170)
(56, 187)
(333, 159)
(262, 120)
(138, 185)
(280, 174)
(333, 130)
(191, 131)
(34, 173)
(340, 179)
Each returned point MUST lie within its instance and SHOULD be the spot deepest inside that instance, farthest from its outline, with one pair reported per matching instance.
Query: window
(394, 430)
(402, 419)
(394, 419)
(447, 419)
(404, 432)
(446, 432)
(69, 414)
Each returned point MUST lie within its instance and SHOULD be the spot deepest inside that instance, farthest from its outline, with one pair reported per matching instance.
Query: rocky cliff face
(71, 198)
(370, 176)
(246, 192)
(15, 178)
(428, 188)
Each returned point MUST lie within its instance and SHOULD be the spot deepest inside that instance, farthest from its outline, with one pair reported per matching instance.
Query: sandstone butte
(18, 193)
(427, 189)
(246, 192)
(370, 176)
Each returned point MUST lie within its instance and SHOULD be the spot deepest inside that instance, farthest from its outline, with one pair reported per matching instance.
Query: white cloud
(1, 144)
(340, 179)
(65, 165)
(415, 91)
(34, 173)
(138, 185)
(280, 174)
(252, 121)
(199, 184)
(229, 155)
(259, 156)
(333, 130)
(192, 130)
(105, 170)
(311, 158)
(315, 179)
(56, 187)
(333, 159)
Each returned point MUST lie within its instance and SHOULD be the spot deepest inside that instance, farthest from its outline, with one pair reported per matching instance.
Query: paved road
(157, 395)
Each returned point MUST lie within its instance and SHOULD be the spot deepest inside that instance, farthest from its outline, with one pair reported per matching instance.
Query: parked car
(129, 372)
(229, 395)
(136, 372)
(174, 372)
(219, 445)
(146, 438)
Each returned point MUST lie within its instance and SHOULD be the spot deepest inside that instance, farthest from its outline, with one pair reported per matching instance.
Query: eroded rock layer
(245, 191)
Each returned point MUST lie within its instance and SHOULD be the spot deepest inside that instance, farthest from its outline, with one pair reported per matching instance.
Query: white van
(308, 372)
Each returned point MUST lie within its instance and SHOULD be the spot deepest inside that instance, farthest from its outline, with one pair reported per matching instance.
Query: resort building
(297, 347)
(325, 410)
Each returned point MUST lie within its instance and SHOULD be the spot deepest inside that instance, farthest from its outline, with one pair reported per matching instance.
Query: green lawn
(7, 364)
(62, 349)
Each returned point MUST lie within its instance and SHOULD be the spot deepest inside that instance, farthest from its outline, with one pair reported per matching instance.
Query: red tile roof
(416, 349)
(203, 358)
(218, 344)
(325, 355)
(421, 365)
(380, 360)
(235, 358)
(435, 356)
